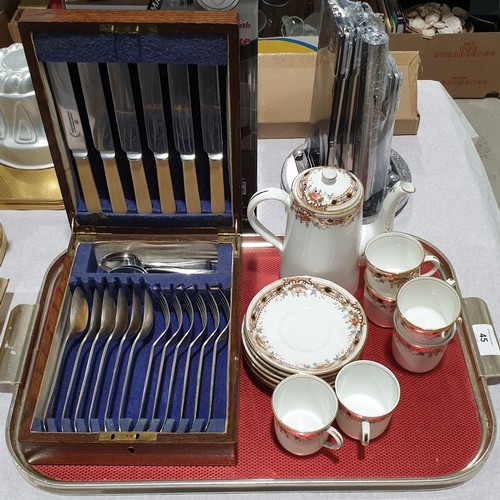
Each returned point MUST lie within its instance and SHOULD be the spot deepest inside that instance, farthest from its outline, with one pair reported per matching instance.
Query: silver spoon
(78, 320)
(133, 329)
(108, 316)
(146, 327)
(166, 317)
(95, 321)
(121, 260)
(118, 330)
(178, 313)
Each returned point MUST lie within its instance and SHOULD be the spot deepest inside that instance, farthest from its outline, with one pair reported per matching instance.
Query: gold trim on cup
(411, 326)
(382, 300)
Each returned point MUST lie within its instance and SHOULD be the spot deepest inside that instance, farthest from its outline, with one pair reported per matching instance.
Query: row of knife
(124, 114)
(161, 368)
(356, 97)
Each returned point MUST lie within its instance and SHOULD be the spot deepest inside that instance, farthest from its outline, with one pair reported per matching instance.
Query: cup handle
(264, 195)
(339, 441)
(365, 433)
(457, 325)
(435, 265)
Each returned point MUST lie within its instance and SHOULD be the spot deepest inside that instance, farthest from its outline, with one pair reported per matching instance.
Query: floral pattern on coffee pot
(324, 235)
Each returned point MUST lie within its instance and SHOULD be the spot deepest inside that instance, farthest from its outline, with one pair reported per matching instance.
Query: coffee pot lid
(328, 190)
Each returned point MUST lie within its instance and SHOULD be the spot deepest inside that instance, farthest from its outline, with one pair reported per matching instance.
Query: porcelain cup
(417, 357)
(368, 393)
(378, 309)
(304, 408)
(427, 309)
(394, 258)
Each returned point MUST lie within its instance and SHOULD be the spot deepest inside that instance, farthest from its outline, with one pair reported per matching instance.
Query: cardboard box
(286, 77)
(467, 64)
(7, 9)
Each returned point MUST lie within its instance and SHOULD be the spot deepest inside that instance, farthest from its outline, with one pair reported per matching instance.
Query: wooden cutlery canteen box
(132, 358)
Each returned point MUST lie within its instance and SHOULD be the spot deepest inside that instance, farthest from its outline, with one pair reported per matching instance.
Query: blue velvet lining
(157, 417)
(163, 49)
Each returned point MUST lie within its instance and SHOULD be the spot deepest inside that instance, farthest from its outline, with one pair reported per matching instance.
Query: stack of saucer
(302, 325)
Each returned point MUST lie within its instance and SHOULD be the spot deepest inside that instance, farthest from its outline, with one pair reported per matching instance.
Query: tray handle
(14, 345)
(482, 333)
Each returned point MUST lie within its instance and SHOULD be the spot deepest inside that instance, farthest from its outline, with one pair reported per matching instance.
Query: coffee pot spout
(384, 221)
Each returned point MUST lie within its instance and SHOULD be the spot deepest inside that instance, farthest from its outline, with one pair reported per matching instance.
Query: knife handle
(167, 198)
(142, 199)
(217, 198)
(191, 191)
(115, 189)
(90, 194)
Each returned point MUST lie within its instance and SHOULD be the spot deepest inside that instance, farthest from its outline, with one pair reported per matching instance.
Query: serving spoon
(78, 321)
(108, 317)
(119, 329)
(95, 321)
(120, 261)
(133, 329)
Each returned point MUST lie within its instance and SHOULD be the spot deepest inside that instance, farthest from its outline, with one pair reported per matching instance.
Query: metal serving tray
(440, 436)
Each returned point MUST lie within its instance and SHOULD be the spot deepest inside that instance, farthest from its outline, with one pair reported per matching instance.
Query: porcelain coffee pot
(325, 236)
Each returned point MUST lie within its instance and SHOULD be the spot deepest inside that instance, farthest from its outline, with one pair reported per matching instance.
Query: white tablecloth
(453, 208)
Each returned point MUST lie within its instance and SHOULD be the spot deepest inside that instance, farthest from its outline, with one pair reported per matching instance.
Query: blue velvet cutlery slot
(173, 379)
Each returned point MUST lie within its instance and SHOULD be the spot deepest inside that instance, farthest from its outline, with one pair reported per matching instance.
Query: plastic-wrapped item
(355, 97)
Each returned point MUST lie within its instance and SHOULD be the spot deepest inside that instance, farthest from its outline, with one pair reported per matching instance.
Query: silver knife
(156, 129)
(128, 129)
(211, 126)
(178, 81)
(100, 127)
(73, 131)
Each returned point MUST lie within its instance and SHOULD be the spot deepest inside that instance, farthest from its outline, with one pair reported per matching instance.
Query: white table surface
(453, 208)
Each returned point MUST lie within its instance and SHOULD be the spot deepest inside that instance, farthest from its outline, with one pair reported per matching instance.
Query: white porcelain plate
(305, 323)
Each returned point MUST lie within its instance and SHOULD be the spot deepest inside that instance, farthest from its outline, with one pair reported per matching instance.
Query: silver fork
(178, 312)
(166, 317)
(146, 327)
(183, 341)
(214, 311)
(202, 309)
(223, 335)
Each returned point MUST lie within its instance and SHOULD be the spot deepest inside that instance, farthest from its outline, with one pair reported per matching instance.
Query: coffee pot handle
(266, 195)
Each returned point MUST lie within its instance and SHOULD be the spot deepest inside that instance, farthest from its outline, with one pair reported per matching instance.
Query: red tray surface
(435, 430)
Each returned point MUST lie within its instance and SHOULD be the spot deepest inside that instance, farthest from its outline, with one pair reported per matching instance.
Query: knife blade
(156, 128)
(211, 126)
(182, 118)
(73, 131)
(128, 129)
(100, 128)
